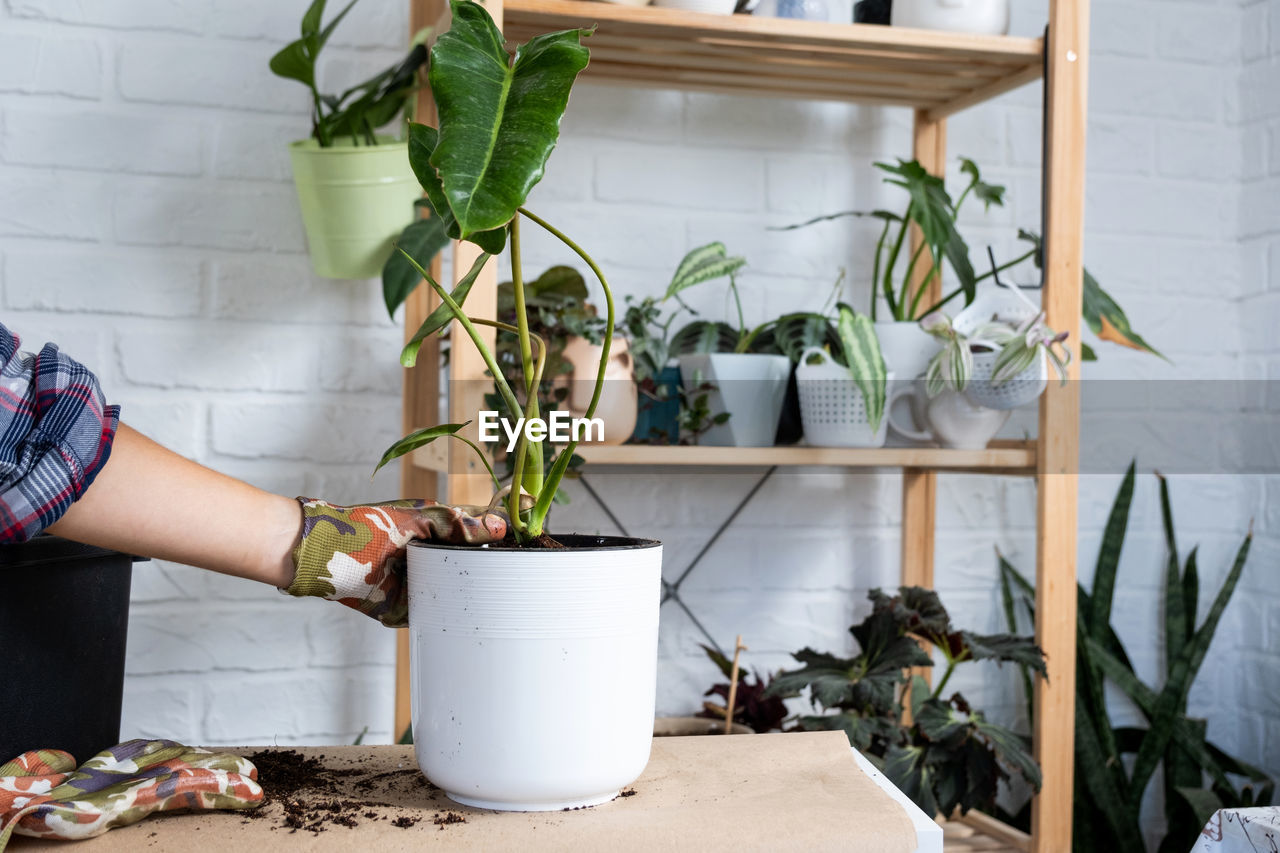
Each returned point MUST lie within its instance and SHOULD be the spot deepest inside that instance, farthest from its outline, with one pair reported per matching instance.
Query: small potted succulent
(354, 185)
(567, 623)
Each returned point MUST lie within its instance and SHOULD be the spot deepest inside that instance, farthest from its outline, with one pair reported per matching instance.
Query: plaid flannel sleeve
(55, 435)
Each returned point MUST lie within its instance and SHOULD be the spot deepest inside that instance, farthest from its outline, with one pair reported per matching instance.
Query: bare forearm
(152, 502)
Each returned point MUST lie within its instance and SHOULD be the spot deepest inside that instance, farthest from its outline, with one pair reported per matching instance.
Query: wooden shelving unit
(935, 74)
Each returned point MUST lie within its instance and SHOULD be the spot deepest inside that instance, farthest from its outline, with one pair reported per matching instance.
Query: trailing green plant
(931, 208)
(751, 706)
(1198, 777)
(950, 755)
(499, 119)
(1017, 348)
(357, 113)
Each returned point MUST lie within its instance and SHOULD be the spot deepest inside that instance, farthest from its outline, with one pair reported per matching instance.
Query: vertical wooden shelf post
(1067, 54)
(919, 486)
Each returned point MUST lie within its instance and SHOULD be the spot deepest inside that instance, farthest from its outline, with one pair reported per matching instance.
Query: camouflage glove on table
(43, 795)
(355, 554)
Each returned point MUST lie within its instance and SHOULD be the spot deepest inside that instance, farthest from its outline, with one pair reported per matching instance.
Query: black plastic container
(64, 615)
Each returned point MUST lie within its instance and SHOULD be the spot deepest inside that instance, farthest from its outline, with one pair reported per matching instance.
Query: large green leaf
(422, 239)
(932, 210)
(704, 336)
(499, 119)
(1174, 695)
(1102, 314)
(1104, 575)
(704, 263)
(829, 677)
(862, 356)
(417, 439)
(1099, 783)
(440, 317)
(297, 60)
(905, 767)
(792, 334)
(1005, 647)
(422, 144)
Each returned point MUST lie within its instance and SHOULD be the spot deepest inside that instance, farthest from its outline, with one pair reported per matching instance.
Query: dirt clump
(303, 793)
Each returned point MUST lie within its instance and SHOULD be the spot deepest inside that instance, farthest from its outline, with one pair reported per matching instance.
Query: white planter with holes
(832, 408)
(533, 672)
(1003, 305)
(750, 387)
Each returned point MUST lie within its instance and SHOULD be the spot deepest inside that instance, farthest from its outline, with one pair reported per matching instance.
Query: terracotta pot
(618, 401)
(684, 726)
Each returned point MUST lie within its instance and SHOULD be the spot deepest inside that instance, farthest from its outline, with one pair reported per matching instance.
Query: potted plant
(930, 208)
(997, 352)
(648, 328)
(354, 185)
(950, 755)
(747, 385)
(534, 661)
(842, 401)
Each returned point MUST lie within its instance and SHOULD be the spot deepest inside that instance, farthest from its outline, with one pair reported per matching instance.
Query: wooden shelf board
(1011, 457)
(742, 54)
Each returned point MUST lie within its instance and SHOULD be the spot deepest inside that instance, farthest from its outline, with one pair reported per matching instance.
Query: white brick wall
(148, 223)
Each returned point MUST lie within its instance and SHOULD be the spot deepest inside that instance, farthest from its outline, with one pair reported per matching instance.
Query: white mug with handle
(953, 421)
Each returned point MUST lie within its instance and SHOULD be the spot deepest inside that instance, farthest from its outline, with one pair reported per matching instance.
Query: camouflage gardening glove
(356, 554)
(43, 795)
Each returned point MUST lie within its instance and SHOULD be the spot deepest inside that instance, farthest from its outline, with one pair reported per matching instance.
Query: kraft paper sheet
(742, 793)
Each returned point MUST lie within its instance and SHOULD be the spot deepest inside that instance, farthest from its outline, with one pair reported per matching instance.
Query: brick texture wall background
(148, 223)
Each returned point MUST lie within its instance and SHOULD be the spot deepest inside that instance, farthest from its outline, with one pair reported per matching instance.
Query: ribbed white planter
(534, 672)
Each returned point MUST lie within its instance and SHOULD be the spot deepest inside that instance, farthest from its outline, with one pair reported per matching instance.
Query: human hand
(355, 555)
(43, 795)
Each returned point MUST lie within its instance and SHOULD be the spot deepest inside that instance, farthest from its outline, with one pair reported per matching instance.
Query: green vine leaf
(422, 240)
(414, 440)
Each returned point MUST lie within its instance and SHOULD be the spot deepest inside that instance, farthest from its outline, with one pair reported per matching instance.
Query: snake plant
(499, 120)
(1114, 765)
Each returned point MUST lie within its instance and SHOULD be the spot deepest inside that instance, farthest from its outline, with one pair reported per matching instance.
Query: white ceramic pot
(534, 672)
(989, 17)
(953, 421)
(750, 387)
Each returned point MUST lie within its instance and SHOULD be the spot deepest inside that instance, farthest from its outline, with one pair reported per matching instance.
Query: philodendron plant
(360, 110)
(499, 119)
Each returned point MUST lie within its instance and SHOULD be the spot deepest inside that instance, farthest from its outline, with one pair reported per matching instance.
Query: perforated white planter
(832, 408)
(1015, 391)
(534, 672)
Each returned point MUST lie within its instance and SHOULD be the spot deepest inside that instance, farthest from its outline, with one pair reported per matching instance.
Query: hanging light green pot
(356, 199)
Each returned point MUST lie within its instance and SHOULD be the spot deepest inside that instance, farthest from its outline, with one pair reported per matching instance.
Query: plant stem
(889, 295)
(463, 320)
(946, 676)
(737, 299)
(484, 459)
(953, 294)
(532, 382)
(543, 505)
(875, 268)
